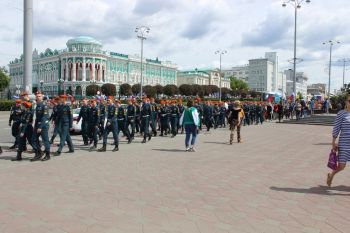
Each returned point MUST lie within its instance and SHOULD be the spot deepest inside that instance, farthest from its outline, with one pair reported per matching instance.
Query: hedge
(5, 105)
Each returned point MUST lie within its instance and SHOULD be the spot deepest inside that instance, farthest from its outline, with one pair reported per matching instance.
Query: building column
(74, 76)
(100, 72)
(67, 69)
(93, 69)
(84, 70)
(62, 70)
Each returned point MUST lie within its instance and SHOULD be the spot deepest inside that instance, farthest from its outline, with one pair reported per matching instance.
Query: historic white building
(202, 77)
(84, 62)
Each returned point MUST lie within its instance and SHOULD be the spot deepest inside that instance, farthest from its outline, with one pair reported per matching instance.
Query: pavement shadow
(322, 144)
(320, 190)
(221, 143)
(169, 150)
(11, 157)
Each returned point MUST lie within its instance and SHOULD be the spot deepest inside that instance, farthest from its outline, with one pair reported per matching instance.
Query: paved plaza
(272, 182)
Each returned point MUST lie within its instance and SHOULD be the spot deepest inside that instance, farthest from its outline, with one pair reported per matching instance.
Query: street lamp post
(344, 60)
(41, 85)
(220, 52)
(142, 31)
(297, 5)
(60, 85)
(331, 43)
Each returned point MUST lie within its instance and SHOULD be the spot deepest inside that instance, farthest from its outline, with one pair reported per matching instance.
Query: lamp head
(284, 4)
(308, 1)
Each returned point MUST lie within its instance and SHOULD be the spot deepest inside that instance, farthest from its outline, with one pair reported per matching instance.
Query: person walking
(342, 127)
(234, 119)
(94, 120)
(84, 115)
(15, 116)
(190, 119)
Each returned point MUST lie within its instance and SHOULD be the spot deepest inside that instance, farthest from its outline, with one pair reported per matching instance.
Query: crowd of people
(99, 117)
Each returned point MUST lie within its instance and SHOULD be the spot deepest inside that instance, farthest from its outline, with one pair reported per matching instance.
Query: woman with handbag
(342, 126)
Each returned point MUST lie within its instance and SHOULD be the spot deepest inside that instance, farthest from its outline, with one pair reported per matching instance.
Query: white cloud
(188, 32)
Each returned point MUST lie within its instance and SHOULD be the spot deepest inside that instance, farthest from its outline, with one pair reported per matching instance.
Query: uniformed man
(15, 116)
(222, 112)
(102, 108)
(163, 116)
(258, 113)
(131, 113)
(41, 128)
(111, 126)
(174, 118)
(181, 110)
(252, 113)
(137, 117)
(216, 114)
(246, 109)
(84, 115)
(145, 114)
(122, 120)
(65, 122)
(94, 121)
(53, 118)
(200, 112)
(26, 131)
(154, 114)
(207, 115)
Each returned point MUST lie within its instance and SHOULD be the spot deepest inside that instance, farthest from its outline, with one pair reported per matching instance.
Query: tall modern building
(301, 83)
(84, 62)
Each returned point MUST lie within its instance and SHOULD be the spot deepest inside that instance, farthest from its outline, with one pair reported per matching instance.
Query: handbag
(333, 160)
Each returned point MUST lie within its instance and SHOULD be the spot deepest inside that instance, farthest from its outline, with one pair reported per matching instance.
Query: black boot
(0, 150)
(155, 133)
(116, 148)
(129, 140)
(47, 156)
(18, 157)
(144, 140)
(12, 147)
(149, 137)
(57, 153)
(37, 156)
(103, 148)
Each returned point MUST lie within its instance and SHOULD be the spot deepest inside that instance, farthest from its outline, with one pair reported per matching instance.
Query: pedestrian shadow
(322, 144)
(221, 143)
(320, 190)
(169, 150)
(11, 157)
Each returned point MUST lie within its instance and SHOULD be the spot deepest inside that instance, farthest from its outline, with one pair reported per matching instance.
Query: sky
(188, 32)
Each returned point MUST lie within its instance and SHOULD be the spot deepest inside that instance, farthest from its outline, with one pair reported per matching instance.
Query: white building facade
(301, 83)
(84, 62)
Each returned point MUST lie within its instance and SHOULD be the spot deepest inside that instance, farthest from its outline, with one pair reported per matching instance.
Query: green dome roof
(83, 40)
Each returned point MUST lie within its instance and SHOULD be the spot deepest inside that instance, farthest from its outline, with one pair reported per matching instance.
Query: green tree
(171, 90)
(185, 89)
(159, 89)
(149, 91)
(197, 90)
(125, 89)
(136, 89)
(92, 89)
(109, 89)
(4, 79)
(237, 84)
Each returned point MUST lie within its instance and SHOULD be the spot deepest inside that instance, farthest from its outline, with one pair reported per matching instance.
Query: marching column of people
(98, 120)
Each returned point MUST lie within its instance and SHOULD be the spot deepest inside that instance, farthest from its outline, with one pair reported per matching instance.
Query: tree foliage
(238, 84)
(186, 89)
(171, 90)
(150, 91)
(136, 89)
(92, 89)
(109, 89)
(125, 89)
(197, 90)
(4, 80)
(159, 89)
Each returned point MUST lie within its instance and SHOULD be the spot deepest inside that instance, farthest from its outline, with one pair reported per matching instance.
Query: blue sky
(188, 32)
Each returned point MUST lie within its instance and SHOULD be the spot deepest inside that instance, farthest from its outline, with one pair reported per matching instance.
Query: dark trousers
(55, 131)
(154, 122)
(101, 127)
(122, 127)
(131, 122)
(137, 124)
(145, 126)
(65, 137)
(174, 121)
(93, 131)
(44, 134)
(84, 130)
(111, 126)
(27, 136)
(190, 130)
(15, 129)
(163, 125)
(246, 119)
